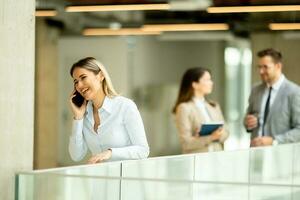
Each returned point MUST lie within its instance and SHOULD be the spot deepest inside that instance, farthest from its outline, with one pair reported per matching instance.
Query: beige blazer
(188, 121)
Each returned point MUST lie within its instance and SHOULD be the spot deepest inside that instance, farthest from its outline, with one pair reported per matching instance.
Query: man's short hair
(274, 54)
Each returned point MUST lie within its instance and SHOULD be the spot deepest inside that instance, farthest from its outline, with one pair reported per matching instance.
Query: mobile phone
(77, 99)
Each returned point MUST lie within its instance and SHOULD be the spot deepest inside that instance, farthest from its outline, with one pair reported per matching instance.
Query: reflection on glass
(140, 190)
(179, 191)
(296, 165)
(180, 167)
(53, 186)
(231, 166)
(103, 169)
(270, 192)
(220, 191)
(255, 174)
(271, 165)
(296, 193)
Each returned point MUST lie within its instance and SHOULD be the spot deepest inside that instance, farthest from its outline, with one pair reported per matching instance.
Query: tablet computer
(207, 129)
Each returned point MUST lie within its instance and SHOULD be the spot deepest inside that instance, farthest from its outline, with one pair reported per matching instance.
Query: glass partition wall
(257, 173)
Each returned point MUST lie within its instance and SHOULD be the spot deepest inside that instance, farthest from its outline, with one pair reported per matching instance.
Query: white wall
(160, 62)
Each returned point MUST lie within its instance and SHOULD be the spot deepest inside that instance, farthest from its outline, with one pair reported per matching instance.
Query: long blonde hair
(96, 67)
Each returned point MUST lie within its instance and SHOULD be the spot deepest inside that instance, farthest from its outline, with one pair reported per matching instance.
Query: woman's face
(204, 84)
(87, 83)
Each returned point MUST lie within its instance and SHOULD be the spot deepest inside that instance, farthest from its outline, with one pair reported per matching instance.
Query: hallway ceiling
(182, 11)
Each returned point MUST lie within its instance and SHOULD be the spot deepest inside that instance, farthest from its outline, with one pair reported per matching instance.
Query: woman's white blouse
(121, 130)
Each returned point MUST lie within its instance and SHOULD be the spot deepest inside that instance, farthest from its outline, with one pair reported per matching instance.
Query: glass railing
(253, 174)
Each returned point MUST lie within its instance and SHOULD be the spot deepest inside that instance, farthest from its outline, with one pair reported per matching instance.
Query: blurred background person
(107, 124)
(192, 109)
(273, 114)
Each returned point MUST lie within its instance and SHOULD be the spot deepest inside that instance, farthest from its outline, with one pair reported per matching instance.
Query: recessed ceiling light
(284, 26)
(122, 31)
(240, 9)
(186, 27)
(46, 13)
(127, 7)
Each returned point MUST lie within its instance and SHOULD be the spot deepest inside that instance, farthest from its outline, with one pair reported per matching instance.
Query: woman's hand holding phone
(78, 111)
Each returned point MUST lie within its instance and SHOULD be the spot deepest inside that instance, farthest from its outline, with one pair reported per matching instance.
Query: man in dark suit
(273, 114)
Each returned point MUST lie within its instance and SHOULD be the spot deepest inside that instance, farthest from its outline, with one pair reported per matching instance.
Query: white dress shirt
(275, 89)
(200, 103)
(121, 129)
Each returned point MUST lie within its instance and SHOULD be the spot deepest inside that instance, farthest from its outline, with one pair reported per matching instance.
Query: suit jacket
(188, 121)
(283, 121)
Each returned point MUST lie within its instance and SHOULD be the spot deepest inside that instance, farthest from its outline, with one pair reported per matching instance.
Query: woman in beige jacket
(192, 109)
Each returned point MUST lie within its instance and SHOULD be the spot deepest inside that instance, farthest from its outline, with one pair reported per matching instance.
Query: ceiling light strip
(45, 13)
(186, 27)
(100, 8)
(123, 31)
(284, 26)
(240, 9)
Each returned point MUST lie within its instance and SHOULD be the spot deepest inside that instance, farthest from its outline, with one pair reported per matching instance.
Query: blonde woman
(192, 109)
(108, 125)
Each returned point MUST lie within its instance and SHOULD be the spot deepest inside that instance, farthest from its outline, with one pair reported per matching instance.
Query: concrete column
(17, 91)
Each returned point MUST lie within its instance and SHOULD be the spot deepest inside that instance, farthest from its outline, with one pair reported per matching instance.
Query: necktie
(267, 108)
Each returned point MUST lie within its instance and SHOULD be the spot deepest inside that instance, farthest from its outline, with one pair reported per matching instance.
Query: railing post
(121, 175)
